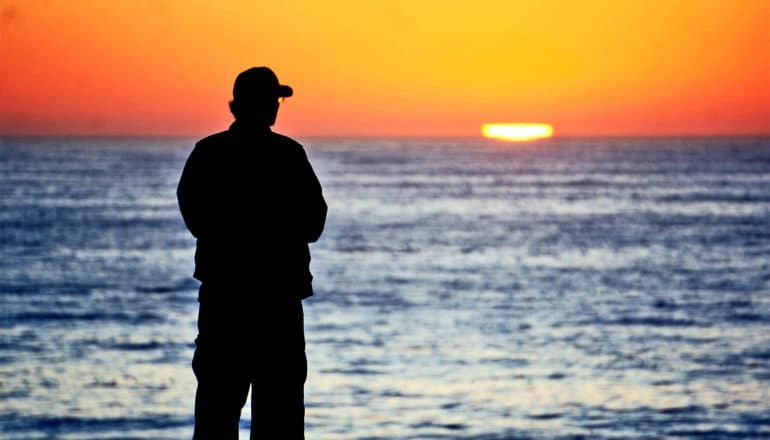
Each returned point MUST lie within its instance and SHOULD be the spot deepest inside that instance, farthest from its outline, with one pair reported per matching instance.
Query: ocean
(464, 289)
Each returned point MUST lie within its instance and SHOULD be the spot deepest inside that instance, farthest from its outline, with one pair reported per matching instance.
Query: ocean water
(465, 289)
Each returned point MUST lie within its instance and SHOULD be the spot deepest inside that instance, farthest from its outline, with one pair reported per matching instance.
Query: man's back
(254, 203)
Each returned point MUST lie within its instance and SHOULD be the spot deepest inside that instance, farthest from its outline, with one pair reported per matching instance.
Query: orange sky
(376, 68)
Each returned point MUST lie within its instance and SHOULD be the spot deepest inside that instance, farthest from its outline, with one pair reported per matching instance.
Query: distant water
(464, 290)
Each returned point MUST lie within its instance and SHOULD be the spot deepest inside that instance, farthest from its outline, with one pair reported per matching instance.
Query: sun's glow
(517, 132)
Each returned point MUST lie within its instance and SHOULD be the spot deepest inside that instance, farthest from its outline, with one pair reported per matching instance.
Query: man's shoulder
(286, 141)
(291, 149)
(214, 139)
(211, 146)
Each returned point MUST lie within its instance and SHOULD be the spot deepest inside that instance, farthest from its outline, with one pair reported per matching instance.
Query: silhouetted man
(252, 200)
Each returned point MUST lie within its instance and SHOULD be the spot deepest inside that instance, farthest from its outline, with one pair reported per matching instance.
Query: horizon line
(388, 136)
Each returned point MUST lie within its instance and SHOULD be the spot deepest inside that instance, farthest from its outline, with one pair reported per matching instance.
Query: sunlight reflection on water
(609, 289)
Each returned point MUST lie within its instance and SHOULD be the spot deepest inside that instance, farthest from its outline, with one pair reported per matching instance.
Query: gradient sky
(377, 68)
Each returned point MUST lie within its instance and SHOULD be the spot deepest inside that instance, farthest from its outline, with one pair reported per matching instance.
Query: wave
(13, 422)
(132, 318)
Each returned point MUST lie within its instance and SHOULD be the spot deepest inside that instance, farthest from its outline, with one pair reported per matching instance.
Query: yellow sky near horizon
(379, 68)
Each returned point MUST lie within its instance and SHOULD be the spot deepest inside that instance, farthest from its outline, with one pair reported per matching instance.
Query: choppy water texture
(464, 290)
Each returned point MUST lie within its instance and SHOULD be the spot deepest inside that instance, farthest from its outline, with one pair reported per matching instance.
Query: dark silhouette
(253, 202)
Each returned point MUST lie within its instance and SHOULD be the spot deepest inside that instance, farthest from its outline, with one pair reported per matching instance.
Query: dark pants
(242, 344)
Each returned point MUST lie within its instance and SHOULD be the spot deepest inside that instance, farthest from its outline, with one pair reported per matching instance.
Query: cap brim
(284, 91)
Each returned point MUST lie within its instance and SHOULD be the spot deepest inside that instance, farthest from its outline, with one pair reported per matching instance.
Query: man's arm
(190, 193)
(313, 216)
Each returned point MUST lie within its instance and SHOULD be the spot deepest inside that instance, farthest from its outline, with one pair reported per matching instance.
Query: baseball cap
(259, 82)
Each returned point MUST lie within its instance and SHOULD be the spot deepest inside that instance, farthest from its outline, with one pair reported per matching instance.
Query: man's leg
(279, 370)
(221, 394)
(277, 400)
(220, 364)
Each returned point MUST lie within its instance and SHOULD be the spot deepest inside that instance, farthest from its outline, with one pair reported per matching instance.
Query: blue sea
(464, 289)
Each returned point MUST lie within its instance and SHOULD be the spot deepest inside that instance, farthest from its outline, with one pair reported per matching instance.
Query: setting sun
(517, 132)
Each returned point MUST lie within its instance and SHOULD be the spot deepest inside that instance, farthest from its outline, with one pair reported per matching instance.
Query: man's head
(255, 96)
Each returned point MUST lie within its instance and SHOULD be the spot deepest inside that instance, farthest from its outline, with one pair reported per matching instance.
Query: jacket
(253, 202)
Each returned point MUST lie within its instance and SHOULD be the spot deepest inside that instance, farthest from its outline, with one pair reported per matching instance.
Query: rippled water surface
(464, 290)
